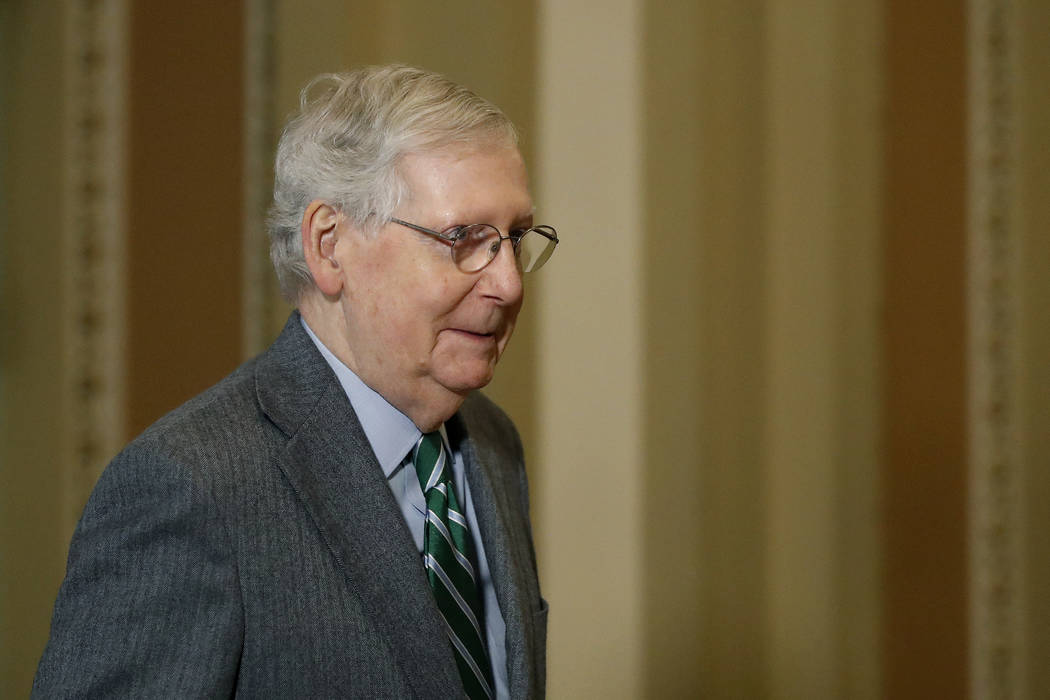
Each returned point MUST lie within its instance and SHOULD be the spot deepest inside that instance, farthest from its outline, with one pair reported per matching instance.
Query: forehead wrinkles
(427, 174)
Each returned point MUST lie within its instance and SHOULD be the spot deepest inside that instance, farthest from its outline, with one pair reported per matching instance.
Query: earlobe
(319, 229)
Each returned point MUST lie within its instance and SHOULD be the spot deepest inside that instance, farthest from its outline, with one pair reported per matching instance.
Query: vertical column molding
(1030, 185)
(590, 395)
(93, 250)
(799, 446)
(704, 583)
(822, 196)
(996, 511)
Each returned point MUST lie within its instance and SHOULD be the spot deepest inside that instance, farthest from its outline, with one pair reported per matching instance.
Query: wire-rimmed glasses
(476, 245)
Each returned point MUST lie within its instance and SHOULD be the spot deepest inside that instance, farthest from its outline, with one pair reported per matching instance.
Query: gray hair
(344, 145)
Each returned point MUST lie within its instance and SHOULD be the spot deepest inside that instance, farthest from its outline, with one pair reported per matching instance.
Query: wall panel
(820, 486)
(703, 605)
(1032, 148)
(185, 193)
(925, 504)
(590, 520)
(33, 529)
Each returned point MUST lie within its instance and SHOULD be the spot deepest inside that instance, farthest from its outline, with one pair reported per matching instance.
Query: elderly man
(344, 516)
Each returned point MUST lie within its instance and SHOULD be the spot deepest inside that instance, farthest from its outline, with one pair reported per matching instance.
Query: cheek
(407, 328)
(407, 305)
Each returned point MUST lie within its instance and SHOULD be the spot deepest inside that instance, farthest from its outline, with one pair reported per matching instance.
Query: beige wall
(33, 530)
(712, 377)
(723, 180)
(1028, 441)
(589, 504)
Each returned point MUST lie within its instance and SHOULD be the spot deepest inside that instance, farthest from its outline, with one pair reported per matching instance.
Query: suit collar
(504, 550)
(290, 378)
(390, 432)
(331, 466)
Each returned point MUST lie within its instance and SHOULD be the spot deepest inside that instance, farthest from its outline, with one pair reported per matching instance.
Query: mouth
(473, 334)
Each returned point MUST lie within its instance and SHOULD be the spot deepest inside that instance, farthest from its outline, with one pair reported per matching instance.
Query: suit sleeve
(150, 605)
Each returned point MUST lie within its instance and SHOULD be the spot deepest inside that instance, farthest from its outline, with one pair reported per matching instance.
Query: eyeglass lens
(534, 249)
(477, 245)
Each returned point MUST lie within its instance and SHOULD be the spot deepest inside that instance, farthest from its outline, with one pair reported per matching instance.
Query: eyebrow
(524, 220)
(528, 216)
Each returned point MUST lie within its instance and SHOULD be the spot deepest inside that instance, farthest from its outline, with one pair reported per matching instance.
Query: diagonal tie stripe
(435, 522)
(447, 555)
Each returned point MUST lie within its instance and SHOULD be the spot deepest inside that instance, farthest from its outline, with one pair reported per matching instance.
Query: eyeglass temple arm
(423, 229)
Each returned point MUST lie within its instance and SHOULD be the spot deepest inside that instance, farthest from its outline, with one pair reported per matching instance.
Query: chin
(467, 381)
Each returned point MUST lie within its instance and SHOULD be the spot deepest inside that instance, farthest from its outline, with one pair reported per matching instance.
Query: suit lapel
(330, 464)
(502, 550)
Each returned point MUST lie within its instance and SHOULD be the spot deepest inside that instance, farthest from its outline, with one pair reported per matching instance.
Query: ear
(318, 229)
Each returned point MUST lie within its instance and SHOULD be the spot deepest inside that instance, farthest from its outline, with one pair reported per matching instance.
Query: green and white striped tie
(448, 555)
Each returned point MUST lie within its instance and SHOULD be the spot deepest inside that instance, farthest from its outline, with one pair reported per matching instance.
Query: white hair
(344, 145)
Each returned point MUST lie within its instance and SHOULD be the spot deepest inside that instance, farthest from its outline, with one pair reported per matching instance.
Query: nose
(501, 278)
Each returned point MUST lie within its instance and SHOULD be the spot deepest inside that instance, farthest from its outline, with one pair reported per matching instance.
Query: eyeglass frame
(547, 232)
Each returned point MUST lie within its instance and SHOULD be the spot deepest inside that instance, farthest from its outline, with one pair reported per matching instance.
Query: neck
(426, 403)
(429, 419)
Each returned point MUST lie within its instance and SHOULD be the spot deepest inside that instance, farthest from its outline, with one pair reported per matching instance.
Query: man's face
(416, 326)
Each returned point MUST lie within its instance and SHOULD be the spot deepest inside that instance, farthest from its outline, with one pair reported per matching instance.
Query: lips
(479, 327)
(476, 334)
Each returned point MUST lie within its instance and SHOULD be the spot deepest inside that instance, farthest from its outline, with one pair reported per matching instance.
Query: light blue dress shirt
(392, 436)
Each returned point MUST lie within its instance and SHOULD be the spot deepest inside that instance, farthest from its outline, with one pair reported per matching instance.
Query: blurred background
(783, 389)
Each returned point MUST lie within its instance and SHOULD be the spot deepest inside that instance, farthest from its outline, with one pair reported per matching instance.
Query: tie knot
(430, 461)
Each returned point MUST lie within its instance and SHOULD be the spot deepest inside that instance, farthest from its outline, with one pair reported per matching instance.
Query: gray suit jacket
(248, 545)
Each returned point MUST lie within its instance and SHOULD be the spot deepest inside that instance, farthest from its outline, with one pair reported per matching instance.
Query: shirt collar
(390, 432)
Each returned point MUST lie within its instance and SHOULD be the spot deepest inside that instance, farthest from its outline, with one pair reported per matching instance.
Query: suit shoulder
(209, 430)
